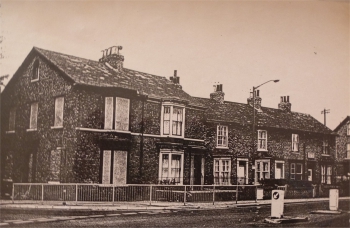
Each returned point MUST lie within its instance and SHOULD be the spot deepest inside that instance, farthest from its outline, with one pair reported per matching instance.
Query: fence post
(42, 193)
(150, 195)
(113, 191)
(236, 193)
(13, 193)
(76, 194)
(185, 196)
(213, 194)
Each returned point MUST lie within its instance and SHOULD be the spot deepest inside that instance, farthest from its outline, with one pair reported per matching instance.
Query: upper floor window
(325, 147)
(117, 114)
(59, 104)
(172, 120)
(222, 135)
(296, 171)
(348, 129)
(35, 73)
(12, 119)
(222, 171)
(262, 140)
(295, 142)
(33, 121)
(348, 150)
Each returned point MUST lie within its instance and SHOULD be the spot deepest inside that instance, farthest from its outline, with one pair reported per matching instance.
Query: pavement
(108, 209)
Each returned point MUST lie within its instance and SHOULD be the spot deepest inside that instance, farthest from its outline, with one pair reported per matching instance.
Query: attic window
(35, 73)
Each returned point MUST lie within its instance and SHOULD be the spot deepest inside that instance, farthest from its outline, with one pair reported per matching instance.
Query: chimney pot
(284, 105)
(175, 73)
(257, 93)
(287, 98)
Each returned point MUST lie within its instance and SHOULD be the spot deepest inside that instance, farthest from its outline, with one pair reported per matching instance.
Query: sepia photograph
(175, 113)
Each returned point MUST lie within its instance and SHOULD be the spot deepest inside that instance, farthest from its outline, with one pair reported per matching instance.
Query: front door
(242, 171)
(197, 169)
(309, 174)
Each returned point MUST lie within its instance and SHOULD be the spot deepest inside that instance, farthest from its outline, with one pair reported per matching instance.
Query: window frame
(12, 120)
(36, 71)
(347, 151)
(34, 105)
(261, 172)
(293, 171)
(224, 136)
(112, 119)
(60, 111)
(348, 129)
(325, 147)
(172, 123)
(169, 179)
(221, 179)
(262, 141)
(295, 142)
(326, 174)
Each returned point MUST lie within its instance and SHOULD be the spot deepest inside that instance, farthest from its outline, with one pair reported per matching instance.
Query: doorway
(197, 170)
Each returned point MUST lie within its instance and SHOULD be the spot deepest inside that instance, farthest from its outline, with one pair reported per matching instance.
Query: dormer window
(222, 136)
(173, 120)
(295, 142)
(262, 140)
(35, 73)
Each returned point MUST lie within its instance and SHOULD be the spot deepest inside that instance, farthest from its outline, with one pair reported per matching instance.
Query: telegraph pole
(325, 112)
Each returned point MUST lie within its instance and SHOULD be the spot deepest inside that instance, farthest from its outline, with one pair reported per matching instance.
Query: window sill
(34, 80)
(261, 150)
(57, 127)
(325, 155)
(348, 159)
(222, 147)
(30, 130)
(10, 132)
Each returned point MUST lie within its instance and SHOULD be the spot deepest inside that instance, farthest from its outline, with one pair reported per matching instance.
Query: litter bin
(6, 188)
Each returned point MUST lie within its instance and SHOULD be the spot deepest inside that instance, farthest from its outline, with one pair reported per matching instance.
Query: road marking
(96, 216)
(23, 222)
(112, 215)
(17, 220)
(4, 224)
(131, 213)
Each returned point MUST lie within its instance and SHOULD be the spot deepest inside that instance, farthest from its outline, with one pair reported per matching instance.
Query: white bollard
(333, 199)
(277, 204)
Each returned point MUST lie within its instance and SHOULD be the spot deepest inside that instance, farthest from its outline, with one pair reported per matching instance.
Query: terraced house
(343, 149)
(69, 119)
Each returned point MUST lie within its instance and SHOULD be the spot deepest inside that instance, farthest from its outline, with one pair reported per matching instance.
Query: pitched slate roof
(239, 113)
(94, 73)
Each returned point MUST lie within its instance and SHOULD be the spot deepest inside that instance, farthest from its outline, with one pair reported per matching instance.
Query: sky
(240, 44)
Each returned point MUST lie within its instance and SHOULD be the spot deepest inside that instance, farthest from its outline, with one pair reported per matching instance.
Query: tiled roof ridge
(263, 107)
(60, 53)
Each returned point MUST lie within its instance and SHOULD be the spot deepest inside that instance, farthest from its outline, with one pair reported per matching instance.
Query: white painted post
(213, 194)
(277, 204)
(333, 199)
(185, 196)
(76, 194)
(150, 195)
(13, 193)
(113, 194)
(42, 193)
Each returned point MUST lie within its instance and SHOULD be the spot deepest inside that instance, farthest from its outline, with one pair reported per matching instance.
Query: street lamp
(254, 88)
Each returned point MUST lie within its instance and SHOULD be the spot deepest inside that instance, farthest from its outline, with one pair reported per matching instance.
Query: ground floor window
(326, 174)
(279, 169)
(171, 167)
(262, 170)
(222, 171)
(114, 166)
(296, 171)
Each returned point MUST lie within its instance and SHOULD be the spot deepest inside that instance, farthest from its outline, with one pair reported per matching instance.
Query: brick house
(287, 145)
(343, 149)
(69, 119)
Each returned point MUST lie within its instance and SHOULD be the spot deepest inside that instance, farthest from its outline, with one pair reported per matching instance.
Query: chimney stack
(218, 95)
(285, 105)
(112, 57)
(257, 99)
(175, 79)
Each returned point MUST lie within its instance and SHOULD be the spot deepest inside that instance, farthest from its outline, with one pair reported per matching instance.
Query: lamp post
(253, 136)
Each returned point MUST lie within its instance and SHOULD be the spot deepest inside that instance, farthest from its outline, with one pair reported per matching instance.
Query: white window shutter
(108, 112)
(33, 116)
(59, 104)
(122, 114)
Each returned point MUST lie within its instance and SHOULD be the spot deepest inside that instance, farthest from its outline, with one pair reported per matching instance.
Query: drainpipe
(143, 98)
